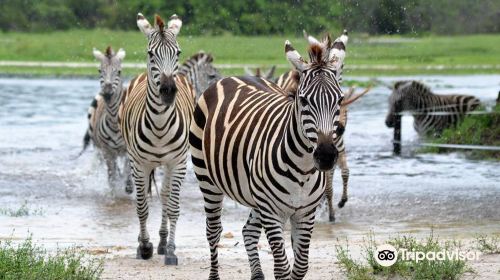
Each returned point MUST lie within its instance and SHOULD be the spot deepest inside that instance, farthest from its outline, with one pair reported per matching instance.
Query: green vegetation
(30, 262)
(457, 54)
(368, 268)
(473, 130)
(488, 245)
(244, 17)
(23, 210)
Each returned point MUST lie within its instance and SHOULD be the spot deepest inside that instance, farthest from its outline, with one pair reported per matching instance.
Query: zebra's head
(110, 71)
(206, 74)
(318, 100)
(397, 98)
(163, 55)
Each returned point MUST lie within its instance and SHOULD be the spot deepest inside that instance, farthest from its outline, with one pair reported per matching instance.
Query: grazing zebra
(432, 113)
(200, 71)
(155, 118)
(289, 82)
(103, 127)
(251, 143)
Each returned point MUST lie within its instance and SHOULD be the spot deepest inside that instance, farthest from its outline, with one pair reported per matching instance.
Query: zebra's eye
(303, 101)
(179, 52)
(150, 53)
(99, 70)
(119, 72)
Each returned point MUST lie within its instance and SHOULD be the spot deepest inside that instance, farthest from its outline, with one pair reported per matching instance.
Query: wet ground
(68, 201)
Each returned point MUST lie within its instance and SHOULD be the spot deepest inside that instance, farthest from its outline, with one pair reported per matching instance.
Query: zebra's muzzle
(107, 91)
(168, 89)
(325, 156)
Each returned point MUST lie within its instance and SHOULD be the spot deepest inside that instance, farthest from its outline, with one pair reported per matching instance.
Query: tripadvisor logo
(387, 255)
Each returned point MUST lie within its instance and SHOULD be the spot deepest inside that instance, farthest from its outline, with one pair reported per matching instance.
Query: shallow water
(42, 123)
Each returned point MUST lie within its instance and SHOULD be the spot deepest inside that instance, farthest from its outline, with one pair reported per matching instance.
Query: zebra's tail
(153, 182)
(86, 142)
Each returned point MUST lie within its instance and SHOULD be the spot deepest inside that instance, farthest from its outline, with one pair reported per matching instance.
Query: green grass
(29, 262)
(407, 53)
(473, 130)
(23, 210)
(488, 244)
(368, 268)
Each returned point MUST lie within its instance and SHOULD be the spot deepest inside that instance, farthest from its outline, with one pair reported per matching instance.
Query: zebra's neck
(190, 70)
(297, 150)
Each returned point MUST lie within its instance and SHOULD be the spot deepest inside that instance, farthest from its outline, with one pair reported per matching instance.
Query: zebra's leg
(329, 195)
(177, 175)
(164, 195)
(273, 226)
(345, 178)
(129, 185)
(251, 235)
(213, 198)
(142, 180)
(302, 228)
(110, 160)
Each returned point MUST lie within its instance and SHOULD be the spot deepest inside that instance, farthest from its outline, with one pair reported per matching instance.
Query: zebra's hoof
(331, 218)
(257, 276)
(145, 251)
(342, 202)
(171, 259)
(162, 248)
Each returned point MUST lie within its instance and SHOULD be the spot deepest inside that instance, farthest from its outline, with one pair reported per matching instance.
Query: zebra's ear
(120, 54)
(97, 54)
(144, 25)
(175, 24)
(294, 57)
(310, 39)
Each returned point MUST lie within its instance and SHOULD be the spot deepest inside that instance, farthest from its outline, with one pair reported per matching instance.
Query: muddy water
(68, 201)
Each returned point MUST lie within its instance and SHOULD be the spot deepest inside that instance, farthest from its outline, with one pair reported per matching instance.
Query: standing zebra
(155, 118)
(200, 71)
(103, 127)
(432, 113)
(251, 143)
(289, 82)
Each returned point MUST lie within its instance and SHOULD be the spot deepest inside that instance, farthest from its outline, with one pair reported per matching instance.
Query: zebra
(268, 75)
(432, 113)
(289, 82)
(103, 128)
(252, 144)
(200, 72)
(155, 117)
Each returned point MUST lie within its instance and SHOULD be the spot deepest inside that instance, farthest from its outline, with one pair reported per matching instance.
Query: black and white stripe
(432, 113)
(200, 71)
(251, 143)
(103, 127)
(155, 117)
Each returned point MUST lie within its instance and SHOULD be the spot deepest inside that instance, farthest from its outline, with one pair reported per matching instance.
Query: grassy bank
(30, 262)
(456, 54)
(474, 130)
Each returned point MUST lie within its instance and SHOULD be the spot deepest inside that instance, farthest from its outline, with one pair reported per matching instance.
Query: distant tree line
(258, 17)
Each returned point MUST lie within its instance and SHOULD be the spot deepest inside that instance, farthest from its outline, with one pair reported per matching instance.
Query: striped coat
(251, 143)
(432, 113)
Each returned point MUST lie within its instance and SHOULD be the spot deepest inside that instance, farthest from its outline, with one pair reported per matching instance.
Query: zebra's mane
(414, 87)
(109, 52)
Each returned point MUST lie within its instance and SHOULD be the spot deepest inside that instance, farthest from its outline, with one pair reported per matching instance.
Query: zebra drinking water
(155, 117)
(251, 143)
(432, 113)
(103, 127)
